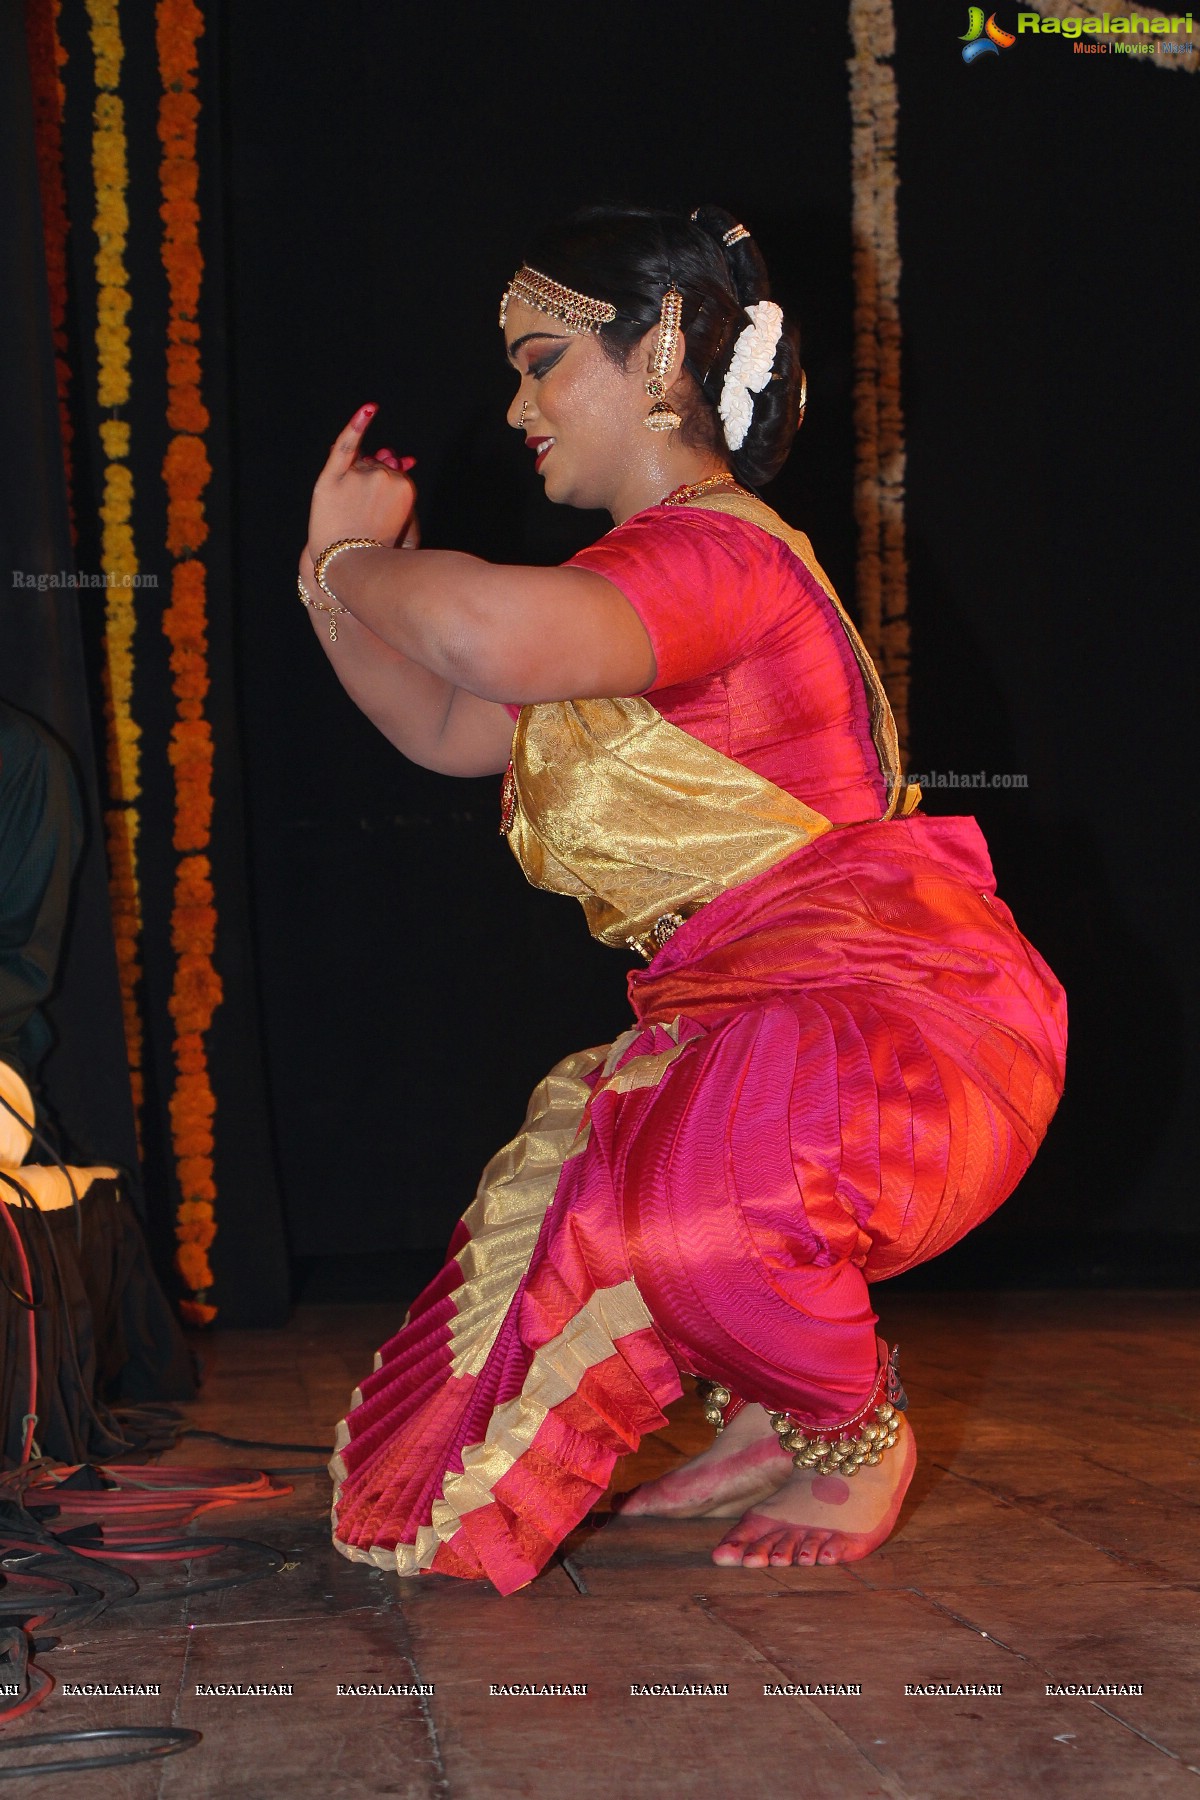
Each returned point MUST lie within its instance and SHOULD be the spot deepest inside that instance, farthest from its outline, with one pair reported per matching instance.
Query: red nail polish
(366, 412)
(407, 463)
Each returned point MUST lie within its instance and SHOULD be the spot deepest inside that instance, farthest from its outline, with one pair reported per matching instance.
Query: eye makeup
(535, 337)
(541, 365)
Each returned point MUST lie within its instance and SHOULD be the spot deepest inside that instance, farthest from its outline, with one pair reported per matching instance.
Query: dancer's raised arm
(433, 642)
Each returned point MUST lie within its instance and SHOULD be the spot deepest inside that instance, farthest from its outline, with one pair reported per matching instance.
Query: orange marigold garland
(122, 817)
(196, 992)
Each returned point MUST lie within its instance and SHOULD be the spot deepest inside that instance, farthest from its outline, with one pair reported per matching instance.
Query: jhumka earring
(662, 416)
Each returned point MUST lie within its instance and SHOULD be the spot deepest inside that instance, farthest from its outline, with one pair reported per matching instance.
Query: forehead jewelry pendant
(578, 312)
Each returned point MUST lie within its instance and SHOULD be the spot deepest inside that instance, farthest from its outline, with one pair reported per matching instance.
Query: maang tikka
(662, 416)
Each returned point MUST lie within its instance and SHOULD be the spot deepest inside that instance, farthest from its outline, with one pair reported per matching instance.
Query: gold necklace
(682, 495)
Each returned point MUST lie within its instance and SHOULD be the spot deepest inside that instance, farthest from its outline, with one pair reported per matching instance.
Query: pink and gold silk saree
(843, 1058)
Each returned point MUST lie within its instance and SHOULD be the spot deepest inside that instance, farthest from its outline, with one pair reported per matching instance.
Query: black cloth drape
(51, 650)
(41, 651)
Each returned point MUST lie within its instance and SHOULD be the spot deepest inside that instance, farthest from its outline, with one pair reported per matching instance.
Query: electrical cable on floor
(30, 1306)
(106, 1425)
(161, 1740)
(219, 1437)
(123, 1513)
(14, 1663)
(166, 1418)
(110, 1513)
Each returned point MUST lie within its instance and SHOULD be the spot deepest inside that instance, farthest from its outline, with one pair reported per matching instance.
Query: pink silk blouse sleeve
(695, 581)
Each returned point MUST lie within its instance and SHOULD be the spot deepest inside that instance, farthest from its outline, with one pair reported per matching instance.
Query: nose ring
(524, 410)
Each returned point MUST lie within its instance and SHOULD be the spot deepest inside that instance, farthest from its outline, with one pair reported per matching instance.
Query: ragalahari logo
(982, 39)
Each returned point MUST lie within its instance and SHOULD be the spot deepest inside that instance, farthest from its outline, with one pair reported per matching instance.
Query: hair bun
(743, 258)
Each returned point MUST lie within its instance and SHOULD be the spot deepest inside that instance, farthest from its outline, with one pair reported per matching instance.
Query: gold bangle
(317, 607)
(326, 557)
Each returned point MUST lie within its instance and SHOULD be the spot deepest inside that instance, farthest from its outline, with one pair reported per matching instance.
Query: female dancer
(844, 1052)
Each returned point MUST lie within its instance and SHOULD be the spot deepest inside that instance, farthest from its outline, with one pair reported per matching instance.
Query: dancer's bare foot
(745, 1464)
(825, 1518)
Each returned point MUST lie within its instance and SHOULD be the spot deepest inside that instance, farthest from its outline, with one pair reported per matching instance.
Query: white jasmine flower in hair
(749, 370)
(737, 410)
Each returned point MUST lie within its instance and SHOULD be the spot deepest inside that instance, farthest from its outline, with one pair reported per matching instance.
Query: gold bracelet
(317, 607)
(326, 557)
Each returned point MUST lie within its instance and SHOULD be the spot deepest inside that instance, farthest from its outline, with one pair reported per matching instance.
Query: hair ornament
(749, 370)
(578, 312)
(734, 235)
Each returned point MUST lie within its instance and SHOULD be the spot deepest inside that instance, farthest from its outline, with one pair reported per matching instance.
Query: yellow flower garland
(122, 818)
(196, 992)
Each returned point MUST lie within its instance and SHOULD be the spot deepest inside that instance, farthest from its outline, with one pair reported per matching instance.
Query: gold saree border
(526, 1167)
(515, 1193)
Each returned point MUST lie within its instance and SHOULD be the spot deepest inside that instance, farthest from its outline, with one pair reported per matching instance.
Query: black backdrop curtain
(370, 177)
(389, 167)
(41, 650)
(414, 987)
(48, 638)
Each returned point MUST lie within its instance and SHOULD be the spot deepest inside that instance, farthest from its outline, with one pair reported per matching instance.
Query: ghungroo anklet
(720, 1406)
(842, 1449)
(839, 1449)
(845, 1454)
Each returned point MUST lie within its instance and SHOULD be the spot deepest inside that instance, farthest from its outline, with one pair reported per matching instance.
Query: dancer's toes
(823, 1543)
(741, 1546)
(738, 1545)
(728, 1553)
(823, 1519)
(797, 1547)
(760, 1554)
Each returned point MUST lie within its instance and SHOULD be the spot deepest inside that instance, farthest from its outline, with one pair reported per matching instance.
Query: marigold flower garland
(47, 58)
(196, 992)
(122, 817)
(882, 583)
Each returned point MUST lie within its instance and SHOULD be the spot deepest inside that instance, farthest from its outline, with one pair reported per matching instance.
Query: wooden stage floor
(1052, 1537)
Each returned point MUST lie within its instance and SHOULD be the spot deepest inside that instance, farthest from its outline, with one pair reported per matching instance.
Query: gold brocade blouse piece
(641, 821)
